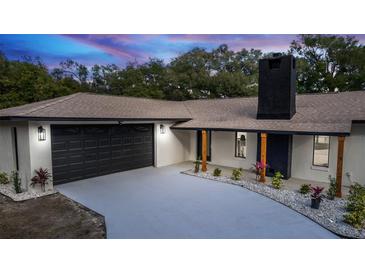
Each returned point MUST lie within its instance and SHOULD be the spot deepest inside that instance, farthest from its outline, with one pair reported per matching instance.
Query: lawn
(54, 216)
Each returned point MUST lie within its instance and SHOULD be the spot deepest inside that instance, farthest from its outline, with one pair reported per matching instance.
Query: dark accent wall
(277, 88)
(279, 153)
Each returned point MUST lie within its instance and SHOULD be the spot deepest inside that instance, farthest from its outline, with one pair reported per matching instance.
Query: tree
(325, 63)
(329, 63)
(26, 81)
(72, 75)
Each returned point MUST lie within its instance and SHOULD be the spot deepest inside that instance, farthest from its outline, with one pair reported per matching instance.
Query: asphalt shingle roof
(320, 113)
(94, 106)
(326, 113)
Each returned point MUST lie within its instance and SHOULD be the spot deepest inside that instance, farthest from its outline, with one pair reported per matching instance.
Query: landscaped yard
(53, 216)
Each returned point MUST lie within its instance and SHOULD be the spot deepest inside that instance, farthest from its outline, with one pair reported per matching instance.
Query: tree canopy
(325, 63)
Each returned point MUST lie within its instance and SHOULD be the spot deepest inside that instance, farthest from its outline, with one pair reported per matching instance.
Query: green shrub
(355, 207)
(355, 219)
(277, 181)
(236, 174)
(217, 172)
(4, 178)
(15, 179)
(305, 188)
(331, 192)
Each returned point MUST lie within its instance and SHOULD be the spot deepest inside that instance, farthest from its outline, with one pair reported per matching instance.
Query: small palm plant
(197, 165)
(4, 178)
(42, 176)
(217, 172)
(331, 192)
(237, 174)
(305, 189)
(15, 179)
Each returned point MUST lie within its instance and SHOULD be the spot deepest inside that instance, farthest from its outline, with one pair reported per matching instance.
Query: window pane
(241, 140)
(321, 151)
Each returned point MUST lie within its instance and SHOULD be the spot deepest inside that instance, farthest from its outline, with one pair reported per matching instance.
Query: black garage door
(84, 151)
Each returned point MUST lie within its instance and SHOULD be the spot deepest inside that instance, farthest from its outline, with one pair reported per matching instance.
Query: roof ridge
(129, 96)
(60, 99)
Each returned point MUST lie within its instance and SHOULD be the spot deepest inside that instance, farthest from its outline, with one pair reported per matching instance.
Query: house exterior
(87, 135)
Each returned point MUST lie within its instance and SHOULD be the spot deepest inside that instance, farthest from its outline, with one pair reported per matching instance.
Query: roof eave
(294, 132)
(37, 118)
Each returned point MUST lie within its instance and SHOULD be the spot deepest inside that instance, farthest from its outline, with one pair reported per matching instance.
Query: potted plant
(42, 176)
(197, 165)
(316, 196)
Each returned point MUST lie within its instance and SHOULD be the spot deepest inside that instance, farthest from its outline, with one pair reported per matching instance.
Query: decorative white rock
(8, 191)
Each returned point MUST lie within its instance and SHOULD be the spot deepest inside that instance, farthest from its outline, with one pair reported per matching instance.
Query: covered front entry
(84, 151)
(278, 153)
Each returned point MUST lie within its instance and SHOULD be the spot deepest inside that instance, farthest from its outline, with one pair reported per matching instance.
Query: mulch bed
(50, 217)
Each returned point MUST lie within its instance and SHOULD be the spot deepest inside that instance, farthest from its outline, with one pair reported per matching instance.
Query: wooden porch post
(204, 150)
(340, 149)
(263, 156)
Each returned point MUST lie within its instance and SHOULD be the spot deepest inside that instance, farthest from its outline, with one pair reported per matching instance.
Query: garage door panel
(84, 151)
(104, 142)
(75, 145)
(90, 143)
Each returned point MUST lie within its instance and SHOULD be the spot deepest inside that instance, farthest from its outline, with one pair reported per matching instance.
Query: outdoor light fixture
(162, 129)
(41, 133)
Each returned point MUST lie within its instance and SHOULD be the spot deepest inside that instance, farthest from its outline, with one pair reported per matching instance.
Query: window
(241, 144)
(321, 148)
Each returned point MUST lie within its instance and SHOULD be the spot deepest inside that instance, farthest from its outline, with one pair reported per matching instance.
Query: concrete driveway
(162, 203)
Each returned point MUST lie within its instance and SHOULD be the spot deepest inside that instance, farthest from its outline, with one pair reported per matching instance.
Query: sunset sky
(120, 49)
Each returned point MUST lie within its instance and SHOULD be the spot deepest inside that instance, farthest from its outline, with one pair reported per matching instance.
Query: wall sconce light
(41, 133)
(162, 129)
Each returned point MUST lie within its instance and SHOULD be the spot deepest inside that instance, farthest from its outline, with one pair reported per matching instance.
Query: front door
(199, 145)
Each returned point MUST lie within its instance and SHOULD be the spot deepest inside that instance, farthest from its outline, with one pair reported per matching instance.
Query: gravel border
(8, 191)
(329, 215)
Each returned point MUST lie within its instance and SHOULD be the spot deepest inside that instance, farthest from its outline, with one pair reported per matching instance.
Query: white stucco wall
(7, 161)
(223, 150)
(302, 158)
(40, 151)
(354, 158)
(174, 146)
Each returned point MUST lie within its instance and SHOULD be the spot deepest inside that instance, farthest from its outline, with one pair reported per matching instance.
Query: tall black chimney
(277, 79)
